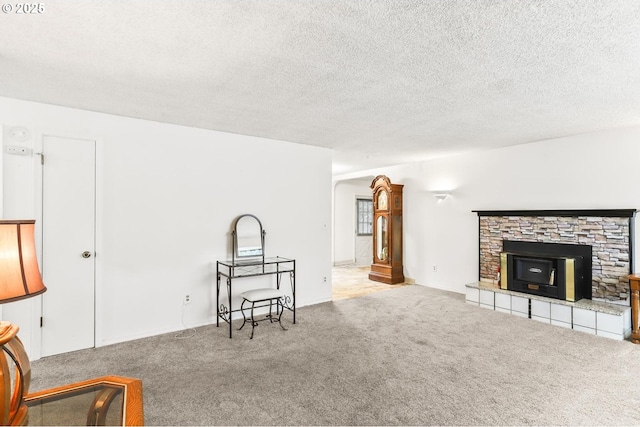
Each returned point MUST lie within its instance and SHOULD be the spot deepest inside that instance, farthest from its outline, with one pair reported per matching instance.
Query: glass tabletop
(255, 267)
(95, 405)
(255, 261)
(94, 402)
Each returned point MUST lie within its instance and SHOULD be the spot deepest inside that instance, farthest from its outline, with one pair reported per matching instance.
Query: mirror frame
(234, 238)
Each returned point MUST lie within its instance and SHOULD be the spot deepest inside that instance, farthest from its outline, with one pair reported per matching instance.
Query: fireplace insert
(553, 270)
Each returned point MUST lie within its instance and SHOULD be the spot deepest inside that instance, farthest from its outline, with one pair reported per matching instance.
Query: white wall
(344, 230)
(590, 171)
(166, 197)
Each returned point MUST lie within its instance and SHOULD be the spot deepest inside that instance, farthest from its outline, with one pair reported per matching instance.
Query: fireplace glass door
(535, 270)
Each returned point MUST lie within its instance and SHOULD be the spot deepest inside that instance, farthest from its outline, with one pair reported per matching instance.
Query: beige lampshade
(19, 273)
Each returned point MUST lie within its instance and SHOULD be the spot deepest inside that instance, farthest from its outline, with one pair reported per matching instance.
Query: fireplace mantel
(621, 213)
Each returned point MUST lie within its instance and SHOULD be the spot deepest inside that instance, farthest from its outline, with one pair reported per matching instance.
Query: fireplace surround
(609, 235)
(609, 231)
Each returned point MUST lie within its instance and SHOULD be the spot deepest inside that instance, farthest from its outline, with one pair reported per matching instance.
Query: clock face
(382, 200)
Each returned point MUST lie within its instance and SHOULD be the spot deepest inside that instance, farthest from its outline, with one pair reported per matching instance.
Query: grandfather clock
(387, 231)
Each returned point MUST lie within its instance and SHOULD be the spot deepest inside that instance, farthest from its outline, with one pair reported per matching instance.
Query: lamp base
(14, 358)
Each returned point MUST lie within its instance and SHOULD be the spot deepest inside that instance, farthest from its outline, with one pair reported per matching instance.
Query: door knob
(86, 254)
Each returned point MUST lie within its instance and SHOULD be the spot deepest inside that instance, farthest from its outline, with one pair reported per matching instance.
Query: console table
(238, 269)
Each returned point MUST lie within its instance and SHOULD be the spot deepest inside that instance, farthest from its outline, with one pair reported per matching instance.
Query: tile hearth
(594, 317)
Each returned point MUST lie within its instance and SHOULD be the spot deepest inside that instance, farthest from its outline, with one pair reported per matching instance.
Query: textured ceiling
(381, 82)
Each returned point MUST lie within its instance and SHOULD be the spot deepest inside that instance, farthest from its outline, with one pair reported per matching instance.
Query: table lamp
(19, 278)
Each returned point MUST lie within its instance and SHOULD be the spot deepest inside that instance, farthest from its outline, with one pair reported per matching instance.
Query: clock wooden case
(387, 231)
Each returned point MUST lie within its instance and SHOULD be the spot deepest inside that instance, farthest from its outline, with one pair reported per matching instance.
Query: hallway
(350, 281)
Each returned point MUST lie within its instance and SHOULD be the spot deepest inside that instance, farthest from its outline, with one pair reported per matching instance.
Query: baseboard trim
(343, 263)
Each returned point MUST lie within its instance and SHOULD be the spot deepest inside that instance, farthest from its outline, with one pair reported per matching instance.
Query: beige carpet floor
(411, 355)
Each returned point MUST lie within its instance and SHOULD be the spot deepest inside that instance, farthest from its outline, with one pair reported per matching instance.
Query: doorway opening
(352, 281)
(353, 240)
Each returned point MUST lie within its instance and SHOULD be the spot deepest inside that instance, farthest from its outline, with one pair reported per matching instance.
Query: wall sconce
(441, 195)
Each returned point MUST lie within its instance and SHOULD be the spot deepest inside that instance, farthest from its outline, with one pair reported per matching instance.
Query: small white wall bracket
(18, 150)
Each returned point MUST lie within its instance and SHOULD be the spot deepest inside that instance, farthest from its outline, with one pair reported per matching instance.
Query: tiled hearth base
(594, 317)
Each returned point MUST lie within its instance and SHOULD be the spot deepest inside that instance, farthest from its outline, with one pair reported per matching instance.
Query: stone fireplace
(608, 233)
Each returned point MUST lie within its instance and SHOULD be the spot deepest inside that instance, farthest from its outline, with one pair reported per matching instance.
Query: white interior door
(364, 250)
(68, 244)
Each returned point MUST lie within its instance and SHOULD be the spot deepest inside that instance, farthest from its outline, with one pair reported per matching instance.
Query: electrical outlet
(435, 268)
(187, 299)
(324, 279)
